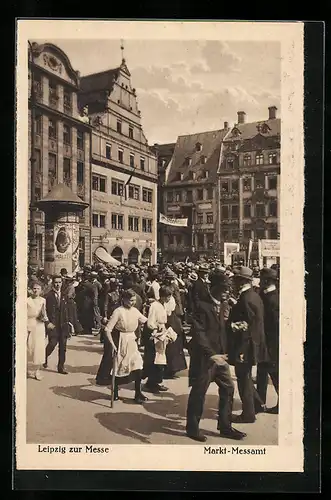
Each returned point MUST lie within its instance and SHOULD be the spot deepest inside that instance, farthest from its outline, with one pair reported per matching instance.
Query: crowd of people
(149, 316)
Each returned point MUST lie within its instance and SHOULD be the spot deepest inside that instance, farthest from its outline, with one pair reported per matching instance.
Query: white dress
(36, 341)
(128, 357)
(157, 319)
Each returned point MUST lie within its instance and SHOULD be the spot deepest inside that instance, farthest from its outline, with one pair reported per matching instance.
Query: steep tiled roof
(186, 147)
(250, 130)
(99, 81)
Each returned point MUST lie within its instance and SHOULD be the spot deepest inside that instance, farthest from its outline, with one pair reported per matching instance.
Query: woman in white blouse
(157, 319)
(120, 335)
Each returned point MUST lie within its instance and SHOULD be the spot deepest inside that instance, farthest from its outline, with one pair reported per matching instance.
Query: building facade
(249, 182)
(124, 169)
(164, 154)
(190, 191)
(62, 137)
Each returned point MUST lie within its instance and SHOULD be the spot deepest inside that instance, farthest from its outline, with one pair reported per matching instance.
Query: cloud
(166, 115)
(216, 57)
(163, 77)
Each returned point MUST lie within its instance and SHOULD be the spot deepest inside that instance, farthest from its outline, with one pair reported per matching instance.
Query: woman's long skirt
(176, 361)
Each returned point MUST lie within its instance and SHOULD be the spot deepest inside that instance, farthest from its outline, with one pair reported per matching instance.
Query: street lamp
(33, 261)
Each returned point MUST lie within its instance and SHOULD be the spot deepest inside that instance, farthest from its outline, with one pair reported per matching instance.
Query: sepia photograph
(158, 239)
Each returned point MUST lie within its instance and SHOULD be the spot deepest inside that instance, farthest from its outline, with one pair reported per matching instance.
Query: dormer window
(203, 159)
(188, 161)
(205, 174)
(190, 176)
(236, 132)
(265, 128)
(198, 146)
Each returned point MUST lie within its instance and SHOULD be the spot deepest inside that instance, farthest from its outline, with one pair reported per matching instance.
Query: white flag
(173, 222)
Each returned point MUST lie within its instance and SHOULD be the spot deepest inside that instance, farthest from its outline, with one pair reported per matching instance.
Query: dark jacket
(250, 343)
(208, 338)
(271, 323)
(178, 299)
(199, 293)
(139, 290)
(58, 314)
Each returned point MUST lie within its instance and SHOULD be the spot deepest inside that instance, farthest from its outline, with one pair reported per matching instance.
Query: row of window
(117, 222)
(99, 183)
(67, 166)
(257, 234)
(191, 175)
(260, 182)
(261, 210)
(201, 194)
(53, 95)
(53, 132)
(248, 160)
(120, 157)
(203, 240)
(209, 218)
(67, 100)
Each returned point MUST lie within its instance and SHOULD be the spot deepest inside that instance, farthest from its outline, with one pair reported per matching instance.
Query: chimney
(241, 117)
(272, 112)
(226, 125)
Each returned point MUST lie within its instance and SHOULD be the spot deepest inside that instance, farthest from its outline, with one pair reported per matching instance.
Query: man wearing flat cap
(270, 298)
(246, 342)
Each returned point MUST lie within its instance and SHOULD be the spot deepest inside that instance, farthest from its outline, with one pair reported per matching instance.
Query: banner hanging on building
(229, 249)
(173, 222)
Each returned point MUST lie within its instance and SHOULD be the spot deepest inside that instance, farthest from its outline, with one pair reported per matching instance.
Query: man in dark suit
(246, 342)
(59, 327)
(270, 298)
(200, 287)
(208, 364)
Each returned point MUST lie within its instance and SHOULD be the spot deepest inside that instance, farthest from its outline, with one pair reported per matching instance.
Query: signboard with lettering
(205, 206)
(269, 248)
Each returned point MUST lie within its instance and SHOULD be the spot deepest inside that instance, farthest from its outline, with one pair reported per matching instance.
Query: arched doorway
(133, 256)
(117, 253)
(146, 256)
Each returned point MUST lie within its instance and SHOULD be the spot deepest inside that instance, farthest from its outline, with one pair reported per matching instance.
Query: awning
(103, 256)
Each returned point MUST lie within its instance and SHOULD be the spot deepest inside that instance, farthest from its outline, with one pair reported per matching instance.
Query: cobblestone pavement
(63, 409)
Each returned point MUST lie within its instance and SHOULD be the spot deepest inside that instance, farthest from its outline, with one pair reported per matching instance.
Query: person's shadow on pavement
(139, 426)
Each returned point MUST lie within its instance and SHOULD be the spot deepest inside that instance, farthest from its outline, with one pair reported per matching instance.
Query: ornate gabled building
(248, 182)
(190, 191)
(124, 177)
(61, 136)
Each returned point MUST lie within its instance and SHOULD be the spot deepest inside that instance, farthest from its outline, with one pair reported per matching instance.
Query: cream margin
(288, 455)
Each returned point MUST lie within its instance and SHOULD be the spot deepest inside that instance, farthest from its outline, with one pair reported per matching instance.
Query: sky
(185, 87)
